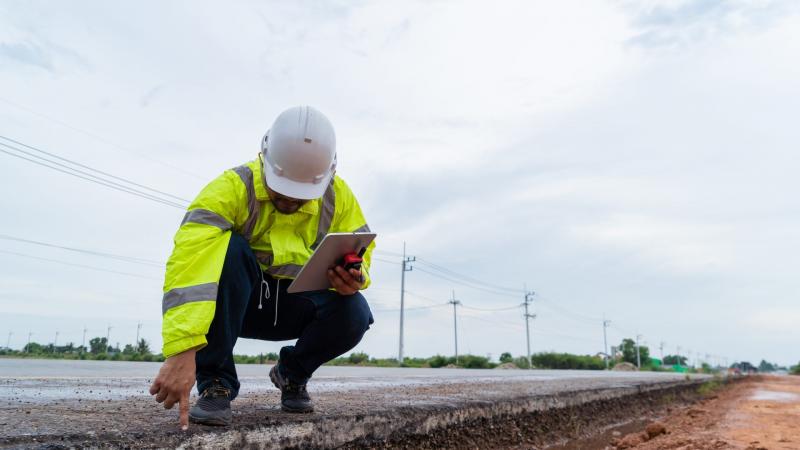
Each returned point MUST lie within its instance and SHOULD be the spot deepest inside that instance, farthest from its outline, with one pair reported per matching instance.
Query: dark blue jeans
(325, 324)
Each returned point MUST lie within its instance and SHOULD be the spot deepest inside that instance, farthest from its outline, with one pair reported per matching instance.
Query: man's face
(284, 204)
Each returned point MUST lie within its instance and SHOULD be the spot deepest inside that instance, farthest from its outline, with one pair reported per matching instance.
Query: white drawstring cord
(263, 293)
(264, 288)
(277, 294)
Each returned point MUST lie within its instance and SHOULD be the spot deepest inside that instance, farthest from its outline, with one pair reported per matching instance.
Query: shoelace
(296, 388)
(217, 391)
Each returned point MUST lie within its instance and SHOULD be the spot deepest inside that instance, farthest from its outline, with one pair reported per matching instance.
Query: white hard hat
(299, 153)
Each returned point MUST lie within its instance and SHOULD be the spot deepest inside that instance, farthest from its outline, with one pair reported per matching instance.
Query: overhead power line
(79, 265)
(555, 307)
(416, 308)
(83, 177)
(468, 278)
(387, 253)
(466, 284)
(375, 258)
(507, 308)
(82, 171)
(99, 138)
(147, 262)
(423, 297)
(67, 160)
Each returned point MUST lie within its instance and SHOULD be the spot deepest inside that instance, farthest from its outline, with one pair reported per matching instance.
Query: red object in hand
(352, 261)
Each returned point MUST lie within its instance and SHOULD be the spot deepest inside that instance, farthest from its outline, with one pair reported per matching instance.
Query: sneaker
(294, 397)
(213, 407)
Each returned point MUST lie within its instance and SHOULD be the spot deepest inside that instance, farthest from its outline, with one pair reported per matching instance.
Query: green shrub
(474, 362)
(358, 358)
(567, 361)
(522, 362)
(711, 386)
(440, 361)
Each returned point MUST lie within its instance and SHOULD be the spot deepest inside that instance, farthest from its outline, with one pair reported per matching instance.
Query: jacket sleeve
(194, 268)
(348, 218)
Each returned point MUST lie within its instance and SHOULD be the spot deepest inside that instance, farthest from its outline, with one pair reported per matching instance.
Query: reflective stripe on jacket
(237, 201)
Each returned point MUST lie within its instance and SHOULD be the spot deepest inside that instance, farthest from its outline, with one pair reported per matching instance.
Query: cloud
(35, 51)
(27, 53)
(519, 142)
(676, 24)
(151, 95)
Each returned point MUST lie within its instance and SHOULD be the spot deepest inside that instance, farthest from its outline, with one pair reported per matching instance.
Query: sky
(633, 161)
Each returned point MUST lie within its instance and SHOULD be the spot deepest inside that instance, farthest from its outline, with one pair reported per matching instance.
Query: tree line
(98, 349)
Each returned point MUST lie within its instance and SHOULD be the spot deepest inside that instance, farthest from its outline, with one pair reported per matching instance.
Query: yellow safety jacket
(237, 201)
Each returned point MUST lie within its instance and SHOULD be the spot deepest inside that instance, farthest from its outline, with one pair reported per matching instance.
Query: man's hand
(345, 283)
(174, 383)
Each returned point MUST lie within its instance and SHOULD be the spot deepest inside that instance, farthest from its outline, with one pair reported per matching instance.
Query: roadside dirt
(759, 413)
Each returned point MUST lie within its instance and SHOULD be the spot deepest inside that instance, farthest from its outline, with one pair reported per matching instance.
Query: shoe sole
(296, 411)
(218, 422)
(284, 408)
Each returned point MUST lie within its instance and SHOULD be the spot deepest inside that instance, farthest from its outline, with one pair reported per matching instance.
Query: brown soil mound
(508, 365)
(739, 416)
(625, 367)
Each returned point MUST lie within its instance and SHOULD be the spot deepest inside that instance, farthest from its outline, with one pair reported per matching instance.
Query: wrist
(186, 354)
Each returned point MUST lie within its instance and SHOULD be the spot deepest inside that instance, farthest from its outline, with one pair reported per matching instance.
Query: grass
(711, 386)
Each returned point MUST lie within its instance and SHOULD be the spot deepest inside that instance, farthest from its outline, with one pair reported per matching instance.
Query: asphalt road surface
(35, 380)
(107, 401)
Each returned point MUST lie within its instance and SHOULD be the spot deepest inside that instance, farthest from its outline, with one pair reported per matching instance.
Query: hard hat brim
(296, 189)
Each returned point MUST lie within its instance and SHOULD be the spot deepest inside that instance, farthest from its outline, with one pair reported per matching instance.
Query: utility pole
(606, 323)
(55, 343)
(661, 347)
(138, 329)
(638, 358)
(108, 337)
(8, 343)
(406, 268)
(84, 338)
(528, 300)
(455, 303)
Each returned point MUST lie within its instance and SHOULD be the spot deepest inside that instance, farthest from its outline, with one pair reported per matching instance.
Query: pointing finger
(184, 410)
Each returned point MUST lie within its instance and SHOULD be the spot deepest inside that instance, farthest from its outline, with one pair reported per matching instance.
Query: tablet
(314, 275)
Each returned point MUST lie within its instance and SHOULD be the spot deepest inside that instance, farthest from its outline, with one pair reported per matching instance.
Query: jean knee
(358, 314)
